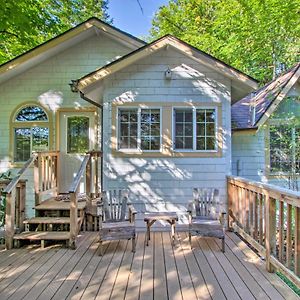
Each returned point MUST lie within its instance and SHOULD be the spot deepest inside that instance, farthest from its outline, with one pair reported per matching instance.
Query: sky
(127, 15)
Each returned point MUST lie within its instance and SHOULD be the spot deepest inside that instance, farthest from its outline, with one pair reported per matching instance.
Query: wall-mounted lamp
(168, 74)
(73, 85)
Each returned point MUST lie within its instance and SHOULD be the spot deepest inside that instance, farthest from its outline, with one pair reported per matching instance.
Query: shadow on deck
(158, 271)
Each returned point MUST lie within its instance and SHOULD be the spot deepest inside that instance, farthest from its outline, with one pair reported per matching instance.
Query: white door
(76, 137)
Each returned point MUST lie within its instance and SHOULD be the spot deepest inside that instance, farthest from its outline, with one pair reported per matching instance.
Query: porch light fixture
(168, 74)
(73, 85)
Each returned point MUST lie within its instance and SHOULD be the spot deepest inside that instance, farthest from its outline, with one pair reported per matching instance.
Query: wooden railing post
(10, 219)
(73, 219)
(270, 234)
(297, 241)
(36, 178)
(96, 181)
(88, 177)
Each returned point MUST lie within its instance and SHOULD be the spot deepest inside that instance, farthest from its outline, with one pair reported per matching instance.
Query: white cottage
(159, 112)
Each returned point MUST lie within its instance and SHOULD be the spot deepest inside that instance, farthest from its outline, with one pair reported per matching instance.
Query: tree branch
(8, 33)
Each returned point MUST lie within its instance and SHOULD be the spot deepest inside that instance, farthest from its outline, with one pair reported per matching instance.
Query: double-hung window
(139, 129)
(195, 129)
(284, 148)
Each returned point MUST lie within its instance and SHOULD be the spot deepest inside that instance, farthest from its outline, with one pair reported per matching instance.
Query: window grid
(150, 129)
(139, 129)
(205, 129)
(184, 129)
(284, 149)
(202, 136)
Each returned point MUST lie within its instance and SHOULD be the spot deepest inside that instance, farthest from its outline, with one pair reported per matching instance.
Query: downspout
(74, 88)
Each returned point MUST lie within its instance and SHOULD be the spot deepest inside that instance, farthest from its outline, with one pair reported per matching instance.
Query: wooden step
(43, 235)
(49, 220)
(52, 204)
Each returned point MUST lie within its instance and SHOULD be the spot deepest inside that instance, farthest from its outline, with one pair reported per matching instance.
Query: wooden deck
(158, 271)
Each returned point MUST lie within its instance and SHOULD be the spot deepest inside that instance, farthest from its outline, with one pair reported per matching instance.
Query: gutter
(74, 88)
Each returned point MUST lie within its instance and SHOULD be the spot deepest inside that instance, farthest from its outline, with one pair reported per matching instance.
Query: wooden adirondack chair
(205, 217)
(117, 217)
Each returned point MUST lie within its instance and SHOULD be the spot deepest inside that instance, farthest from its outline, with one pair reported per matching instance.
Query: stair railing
(12, 191)
(89, 170)
(46, 179)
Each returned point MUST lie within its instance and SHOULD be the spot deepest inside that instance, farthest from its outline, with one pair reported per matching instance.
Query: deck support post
(10, 219)
(73, 220)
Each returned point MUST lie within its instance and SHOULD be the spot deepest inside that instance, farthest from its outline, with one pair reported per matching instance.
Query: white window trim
(138, 149)
(194, 109)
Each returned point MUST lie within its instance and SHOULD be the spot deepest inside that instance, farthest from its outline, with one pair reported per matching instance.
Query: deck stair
(52, 222)
(57, 216)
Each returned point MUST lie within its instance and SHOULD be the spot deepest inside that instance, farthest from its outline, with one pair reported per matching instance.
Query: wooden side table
(151, 218)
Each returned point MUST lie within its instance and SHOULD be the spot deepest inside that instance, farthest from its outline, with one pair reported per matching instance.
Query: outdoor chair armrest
(99, 209)
(190, 207)
(132, 213)
(222, 217)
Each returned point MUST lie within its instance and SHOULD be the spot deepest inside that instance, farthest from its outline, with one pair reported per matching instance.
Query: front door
(76, 136)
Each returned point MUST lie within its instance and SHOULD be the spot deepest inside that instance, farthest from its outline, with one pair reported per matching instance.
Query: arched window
(30, 132)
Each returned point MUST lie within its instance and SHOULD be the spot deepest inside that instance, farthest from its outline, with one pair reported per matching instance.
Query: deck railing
(88, 170)
(268, 217)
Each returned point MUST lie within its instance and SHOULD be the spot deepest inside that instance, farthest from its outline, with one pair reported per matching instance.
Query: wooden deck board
(45, 280)
(135, 275)
(159, 271)
(276, 287)
(173, 284)
(198, 281)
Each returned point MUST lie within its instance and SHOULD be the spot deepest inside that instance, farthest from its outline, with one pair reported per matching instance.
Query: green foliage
(259, 37)
(4, 176)
(289, 283)
(26, 23)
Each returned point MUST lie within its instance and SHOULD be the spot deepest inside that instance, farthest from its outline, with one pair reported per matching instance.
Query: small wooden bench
(151, 218)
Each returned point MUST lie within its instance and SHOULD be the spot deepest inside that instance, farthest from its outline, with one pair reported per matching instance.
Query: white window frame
(139, 110)
(194, 110)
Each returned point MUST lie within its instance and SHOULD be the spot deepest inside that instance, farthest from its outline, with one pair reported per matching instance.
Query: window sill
(168, 153)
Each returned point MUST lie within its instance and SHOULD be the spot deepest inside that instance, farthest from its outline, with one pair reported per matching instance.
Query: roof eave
(198, 55)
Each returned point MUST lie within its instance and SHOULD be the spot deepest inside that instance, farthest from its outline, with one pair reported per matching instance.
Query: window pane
(188, 130)
(22, 144)
(31, 113)
(210, 143)
(124, 130)
(150, 129)
(210, 129)
(128, 124)
(179, 143)
(155, 143)
(200, 129)
(188, 143)
(40, 138)
(281, 149)
(201, 143)
(183, 129)
(78, 134)
(210, 115)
